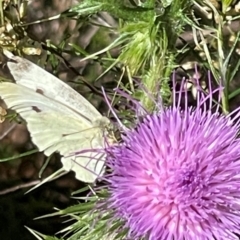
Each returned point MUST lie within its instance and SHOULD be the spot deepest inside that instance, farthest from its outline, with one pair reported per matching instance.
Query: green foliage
(117, 8)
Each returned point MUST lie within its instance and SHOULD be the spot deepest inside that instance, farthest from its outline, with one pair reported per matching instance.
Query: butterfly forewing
(31, 76)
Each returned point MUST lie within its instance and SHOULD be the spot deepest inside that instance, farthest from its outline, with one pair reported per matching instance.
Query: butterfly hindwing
(67, 142)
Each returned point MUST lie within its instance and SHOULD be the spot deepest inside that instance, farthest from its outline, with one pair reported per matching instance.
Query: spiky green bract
(87, 222)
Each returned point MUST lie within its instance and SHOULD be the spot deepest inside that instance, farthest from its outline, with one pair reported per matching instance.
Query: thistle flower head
(176, 175)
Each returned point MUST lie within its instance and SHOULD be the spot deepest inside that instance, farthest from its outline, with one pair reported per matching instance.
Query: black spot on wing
(40, 91)
(36, 109)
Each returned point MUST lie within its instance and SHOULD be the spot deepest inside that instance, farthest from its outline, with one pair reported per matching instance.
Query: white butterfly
(58, 118)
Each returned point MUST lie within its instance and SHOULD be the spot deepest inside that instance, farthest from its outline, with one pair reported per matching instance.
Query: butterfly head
(101, 122)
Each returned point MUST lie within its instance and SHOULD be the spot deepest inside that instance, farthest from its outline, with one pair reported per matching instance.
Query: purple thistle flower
(176, 176)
